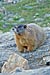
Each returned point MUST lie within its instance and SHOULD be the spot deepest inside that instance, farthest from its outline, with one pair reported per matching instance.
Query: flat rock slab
(14, 62)
(35, 58)
(40, 71)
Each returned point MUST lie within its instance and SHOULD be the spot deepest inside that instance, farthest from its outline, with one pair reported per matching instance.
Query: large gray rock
(40, 71)
(35, 58)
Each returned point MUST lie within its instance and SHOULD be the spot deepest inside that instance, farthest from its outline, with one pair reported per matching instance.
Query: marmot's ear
(25, 26)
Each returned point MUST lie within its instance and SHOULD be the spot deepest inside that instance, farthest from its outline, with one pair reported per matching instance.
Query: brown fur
(33, 37)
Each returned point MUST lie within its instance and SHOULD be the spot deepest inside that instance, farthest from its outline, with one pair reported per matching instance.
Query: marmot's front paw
(21, 49)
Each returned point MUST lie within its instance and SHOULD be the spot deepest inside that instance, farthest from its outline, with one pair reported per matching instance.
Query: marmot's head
(19, 29)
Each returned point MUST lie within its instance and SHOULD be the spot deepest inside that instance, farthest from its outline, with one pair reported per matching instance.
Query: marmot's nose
(13, 29)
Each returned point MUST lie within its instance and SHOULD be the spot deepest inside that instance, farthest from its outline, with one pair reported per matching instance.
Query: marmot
(28, 37)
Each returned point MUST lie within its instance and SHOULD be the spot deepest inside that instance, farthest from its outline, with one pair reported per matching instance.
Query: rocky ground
(37, 59)
(10, 17)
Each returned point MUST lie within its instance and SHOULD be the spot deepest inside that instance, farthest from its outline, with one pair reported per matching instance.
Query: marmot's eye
(25, 26)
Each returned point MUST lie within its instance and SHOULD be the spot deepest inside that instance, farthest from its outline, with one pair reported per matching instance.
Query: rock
(5, 26)
(40, 1)
(14, 24)
(5, 18)
(10, 14)
(1, 20)
(10, 19)
(3, 10)
(28, 7)
(21, 20)
(38, 20)
(13, 62)
(40, 71)
(46, 15)
(35, 58)
(18, 69)
(5, 74)
(46, 60)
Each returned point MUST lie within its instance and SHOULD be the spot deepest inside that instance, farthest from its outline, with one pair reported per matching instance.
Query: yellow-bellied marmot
(29, 36)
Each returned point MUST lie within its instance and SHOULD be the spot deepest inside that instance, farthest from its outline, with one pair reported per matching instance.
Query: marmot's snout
(14, 29)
